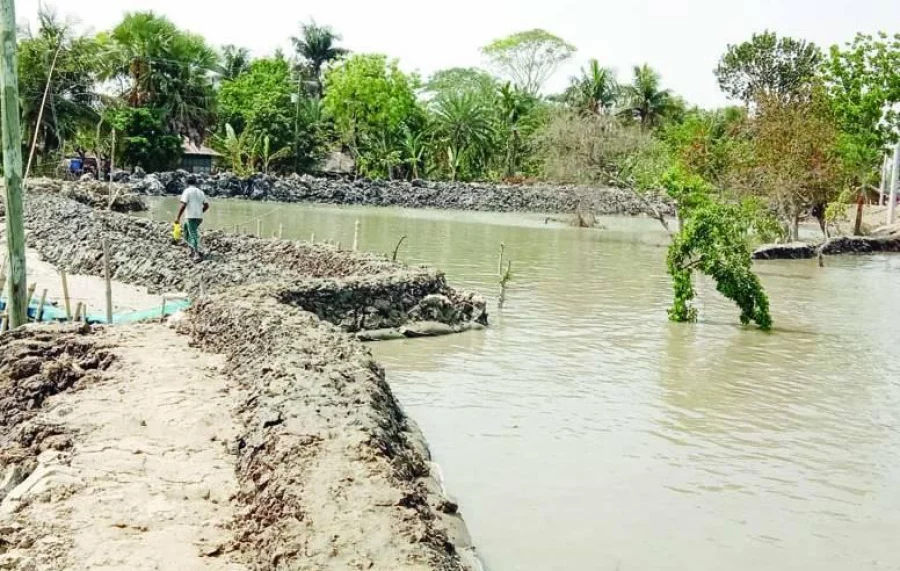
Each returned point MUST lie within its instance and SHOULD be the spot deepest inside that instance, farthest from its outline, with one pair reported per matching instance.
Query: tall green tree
(258, 102)
(595, 90)
(317, 46)
(645, 99)
(164, 68)
(145, 140)
(71, 103)
(372, 103)
(863, 80)
(461, 80)
(768, 66)
(518, 118)
(529, 58)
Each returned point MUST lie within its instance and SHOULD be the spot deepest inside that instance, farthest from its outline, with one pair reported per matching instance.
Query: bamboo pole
(280, 230)
(4, 323)
(259, 228)
(312, 239)
(39, 316)
(356, 236)
(500, 261)
(78, 308)
(31, 289)
(40, 116)
(12, 165)
(65, 287)
(106, 278)
(162, 313)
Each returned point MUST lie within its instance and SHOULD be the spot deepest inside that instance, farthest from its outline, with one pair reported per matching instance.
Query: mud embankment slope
(332, 474)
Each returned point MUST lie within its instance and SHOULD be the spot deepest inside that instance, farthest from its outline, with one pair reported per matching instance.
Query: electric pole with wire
(17, 302)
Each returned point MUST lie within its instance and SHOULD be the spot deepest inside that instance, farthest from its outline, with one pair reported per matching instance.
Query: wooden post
(40, 116)
(4, 323)
(895, 182)
(280, 231)
(500, 261)
(39, 316)
(31, 289)
(312, 239)
(12, 165)
(65, 286)
(162, 313)
(109, 305)
(356, 236)
(259, 228)
(78, 311)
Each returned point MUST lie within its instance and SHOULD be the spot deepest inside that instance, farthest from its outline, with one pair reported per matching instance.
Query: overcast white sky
(683, 39)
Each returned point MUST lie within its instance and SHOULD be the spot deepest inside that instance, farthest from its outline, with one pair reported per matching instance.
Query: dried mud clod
(35, 364)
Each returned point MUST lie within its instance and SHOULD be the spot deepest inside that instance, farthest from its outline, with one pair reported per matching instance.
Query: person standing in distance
(193, 206)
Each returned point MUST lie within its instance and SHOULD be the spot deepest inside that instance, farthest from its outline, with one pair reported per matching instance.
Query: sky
(682, 39)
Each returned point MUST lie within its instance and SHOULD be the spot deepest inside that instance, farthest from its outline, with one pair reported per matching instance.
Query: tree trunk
(857, 227)
(795, 227)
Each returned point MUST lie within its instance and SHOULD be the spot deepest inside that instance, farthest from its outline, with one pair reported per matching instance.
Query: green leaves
(715, 240)
(646, 100)
(371, 103)
(769, 66)
(529, 58)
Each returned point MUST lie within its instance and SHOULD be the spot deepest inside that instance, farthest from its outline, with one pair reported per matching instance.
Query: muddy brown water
(584, 431)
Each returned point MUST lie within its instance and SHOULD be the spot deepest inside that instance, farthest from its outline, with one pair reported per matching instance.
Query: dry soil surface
(148, 482)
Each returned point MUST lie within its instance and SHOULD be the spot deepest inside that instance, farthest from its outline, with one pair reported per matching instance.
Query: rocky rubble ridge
(91, 193)
(332, 473)
(351, 289)
(416, 194)
(831, 247)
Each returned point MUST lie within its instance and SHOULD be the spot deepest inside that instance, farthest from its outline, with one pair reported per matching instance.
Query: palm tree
(646, 100)
(164, 68)
(316, 46)
(235, 61)
(71, 98)
(515, 108)
(595, 91)
(464, 131)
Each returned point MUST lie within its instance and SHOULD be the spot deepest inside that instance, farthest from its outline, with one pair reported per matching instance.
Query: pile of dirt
(92, 193)
(36, 363)
(544, 198)
(332, 473)
(832, 247)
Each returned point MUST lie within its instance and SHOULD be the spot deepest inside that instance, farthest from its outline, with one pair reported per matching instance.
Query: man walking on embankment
(193, 205)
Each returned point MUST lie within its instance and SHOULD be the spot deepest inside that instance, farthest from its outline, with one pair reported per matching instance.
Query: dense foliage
(811, 130)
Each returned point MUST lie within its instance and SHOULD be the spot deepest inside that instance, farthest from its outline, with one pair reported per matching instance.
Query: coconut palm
(316, 46)
(595, 90)
(645, 100)
(235, 61)
(71, 97)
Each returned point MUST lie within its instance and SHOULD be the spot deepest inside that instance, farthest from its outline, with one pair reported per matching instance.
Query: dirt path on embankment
(147, 481)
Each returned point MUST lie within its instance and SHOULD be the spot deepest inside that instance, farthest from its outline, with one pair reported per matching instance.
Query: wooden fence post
(109, 306)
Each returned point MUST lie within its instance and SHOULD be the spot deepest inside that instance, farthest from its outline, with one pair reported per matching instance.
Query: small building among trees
(197, 159)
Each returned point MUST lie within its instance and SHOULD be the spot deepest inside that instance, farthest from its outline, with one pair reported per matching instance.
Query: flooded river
(583, 431)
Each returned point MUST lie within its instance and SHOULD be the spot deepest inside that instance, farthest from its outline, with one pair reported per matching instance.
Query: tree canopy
(529, 58)
(768, 66)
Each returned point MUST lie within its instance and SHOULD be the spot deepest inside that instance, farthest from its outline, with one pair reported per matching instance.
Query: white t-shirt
(194, 198)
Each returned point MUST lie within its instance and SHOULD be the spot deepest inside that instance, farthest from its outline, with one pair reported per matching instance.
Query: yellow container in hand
(176, 231)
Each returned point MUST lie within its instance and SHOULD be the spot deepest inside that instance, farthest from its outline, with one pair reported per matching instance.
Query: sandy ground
(150, 477)
(90, 290)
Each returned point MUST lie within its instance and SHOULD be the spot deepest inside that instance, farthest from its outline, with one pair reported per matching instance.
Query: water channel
(582, 430)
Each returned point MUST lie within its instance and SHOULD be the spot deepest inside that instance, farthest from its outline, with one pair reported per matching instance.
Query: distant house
(337, 163)
(197, 159)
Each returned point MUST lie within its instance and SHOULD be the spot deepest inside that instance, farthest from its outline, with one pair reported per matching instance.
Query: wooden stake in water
(259, 228)
(280, 231)
(65, 286)
(106, 278)
(500, 261)
(312, 239)
(162, 313)
(356, 236)
(31, 289)
(78, 309)
(39, 316)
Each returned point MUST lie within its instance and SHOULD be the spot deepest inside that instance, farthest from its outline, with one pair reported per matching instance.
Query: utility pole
(895, 182)
(17, 302)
